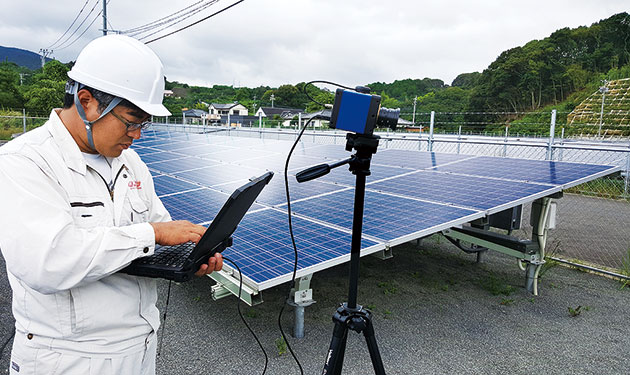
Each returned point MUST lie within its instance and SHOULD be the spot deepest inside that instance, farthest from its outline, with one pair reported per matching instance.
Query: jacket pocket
(70, 312)
(139, 211)
(87, 213)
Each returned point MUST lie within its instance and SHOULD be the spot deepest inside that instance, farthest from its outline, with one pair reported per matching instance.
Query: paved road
(435, 312)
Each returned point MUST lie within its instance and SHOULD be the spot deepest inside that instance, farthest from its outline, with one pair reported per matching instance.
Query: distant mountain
(21, 57)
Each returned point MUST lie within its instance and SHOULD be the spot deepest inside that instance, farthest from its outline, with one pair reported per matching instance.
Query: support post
(301, 297)
(24, 120)
(459, 139)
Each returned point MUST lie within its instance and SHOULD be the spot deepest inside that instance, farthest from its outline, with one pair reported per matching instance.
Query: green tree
(10, 96)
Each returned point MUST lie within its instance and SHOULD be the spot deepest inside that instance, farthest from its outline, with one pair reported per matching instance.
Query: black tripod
(350, 315)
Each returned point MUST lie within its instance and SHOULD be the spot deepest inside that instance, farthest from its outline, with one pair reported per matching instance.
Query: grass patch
(497, 286)
(388, 287)
(604, 187)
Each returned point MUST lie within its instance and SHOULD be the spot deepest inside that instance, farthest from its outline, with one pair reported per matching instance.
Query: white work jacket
(64, 235)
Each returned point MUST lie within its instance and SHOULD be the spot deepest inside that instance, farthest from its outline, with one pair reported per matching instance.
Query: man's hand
(180, 231)
(215, 263)
(176, 232)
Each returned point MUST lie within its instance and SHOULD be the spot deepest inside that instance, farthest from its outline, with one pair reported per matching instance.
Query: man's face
(111, 135)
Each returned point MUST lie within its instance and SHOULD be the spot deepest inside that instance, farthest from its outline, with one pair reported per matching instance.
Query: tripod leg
(375, 355)
(334, 358)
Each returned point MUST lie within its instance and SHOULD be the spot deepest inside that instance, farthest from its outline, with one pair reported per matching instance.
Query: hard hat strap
(88, 124)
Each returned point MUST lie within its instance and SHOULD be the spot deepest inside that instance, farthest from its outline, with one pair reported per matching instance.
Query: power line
(84, 31)
(194, 23)
(77, 28)
(189, 14)
(153, 23)
(69, 27)
(170, 20)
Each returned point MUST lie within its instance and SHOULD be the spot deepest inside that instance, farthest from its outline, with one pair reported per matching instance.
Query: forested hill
(528, 77)
(21, 57)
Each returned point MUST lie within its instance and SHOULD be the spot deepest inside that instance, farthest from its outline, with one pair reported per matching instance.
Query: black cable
(238, 307)
(194, 23)
(286, 186)
(6, 342)
(168, 298)
(326, 82)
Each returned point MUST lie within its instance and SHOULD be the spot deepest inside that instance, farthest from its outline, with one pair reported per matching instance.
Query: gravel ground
(435, 312)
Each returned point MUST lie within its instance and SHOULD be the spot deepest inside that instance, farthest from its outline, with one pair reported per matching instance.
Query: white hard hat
(124, 67)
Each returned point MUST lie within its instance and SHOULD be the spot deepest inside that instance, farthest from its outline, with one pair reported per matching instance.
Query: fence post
(459, 138)
(561, 151)
(552, 132)
(626, 189)
(431, 124)
(505, 139)
(24, 120)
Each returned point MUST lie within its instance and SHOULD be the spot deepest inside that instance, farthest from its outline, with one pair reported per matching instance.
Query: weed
(445, 287)
(197, 299)
(496, 286)
(389, 287)
(415, 275)
(251, 313)
(532, 300)
(574, 312)
(388, 314)
(281, 346)
(506, 302)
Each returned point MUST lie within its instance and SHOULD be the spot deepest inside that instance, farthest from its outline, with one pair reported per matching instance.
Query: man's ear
(89, 104)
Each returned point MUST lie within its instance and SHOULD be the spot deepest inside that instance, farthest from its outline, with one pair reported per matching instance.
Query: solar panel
(275, 192)
(215, 174)
(414, 159)
(264, 252)
(198, 206)
(386, 217)
(464, 191)
(538, 171)
(409, 194)
(165, 185)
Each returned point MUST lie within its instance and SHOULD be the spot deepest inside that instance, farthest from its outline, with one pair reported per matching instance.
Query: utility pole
(272, 99)
(44, 53)
(254, 104)
(104, 17)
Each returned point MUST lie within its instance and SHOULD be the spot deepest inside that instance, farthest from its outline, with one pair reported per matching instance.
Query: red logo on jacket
(134, 185)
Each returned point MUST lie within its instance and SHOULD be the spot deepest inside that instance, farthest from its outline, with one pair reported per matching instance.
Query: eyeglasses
(132, 126)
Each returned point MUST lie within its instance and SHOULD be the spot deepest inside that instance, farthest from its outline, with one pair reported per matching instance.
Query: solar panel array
(409, 194)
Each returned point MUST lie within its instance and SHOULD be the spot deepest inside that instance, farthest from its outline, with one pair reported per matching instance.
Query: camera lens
(388, 118)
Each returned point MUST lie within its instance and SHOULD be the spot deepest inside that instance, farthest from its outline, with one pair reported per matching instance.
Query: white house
(216, 110)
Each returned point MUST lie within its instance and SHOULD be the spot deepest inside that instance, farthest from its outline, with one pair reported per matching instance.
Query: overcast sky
(273, 42)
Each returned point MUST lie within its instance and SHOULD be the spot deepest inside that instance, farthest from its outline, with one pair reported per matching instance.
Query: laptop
(180, 262)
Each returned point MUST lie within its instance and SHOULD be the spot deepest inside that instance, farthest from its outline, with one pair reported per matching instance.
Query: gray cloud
(271, 42)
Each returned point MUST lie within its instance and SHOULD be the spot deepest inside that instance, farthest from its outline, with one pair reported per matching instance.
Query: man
(78, 206)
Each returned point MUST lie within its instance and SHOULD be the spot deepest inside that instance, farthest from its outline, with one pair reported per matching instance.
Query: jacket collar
(68, 147)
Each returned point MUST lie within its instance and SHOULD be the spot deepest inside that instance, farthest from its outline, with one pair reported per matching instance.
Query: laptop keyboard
(170, 256)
